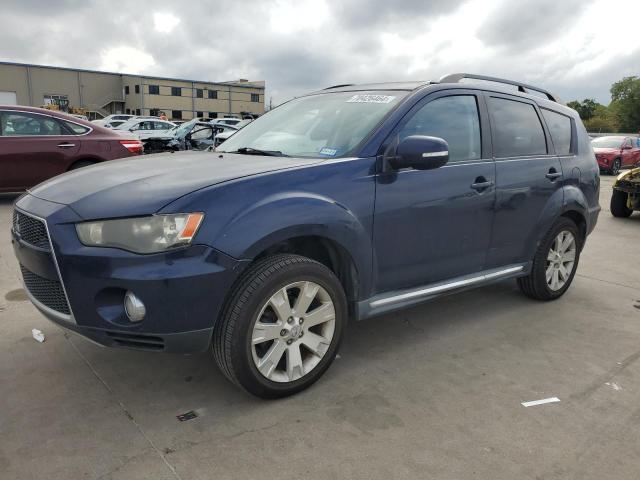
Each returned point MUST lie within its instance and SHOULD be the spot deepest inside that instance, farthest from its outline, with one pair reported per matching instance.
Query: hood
(601, 150)
(143, 185)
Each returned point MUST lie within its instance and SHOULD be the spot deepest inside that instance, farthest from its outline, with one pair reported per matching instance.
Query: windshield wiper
(255, 151)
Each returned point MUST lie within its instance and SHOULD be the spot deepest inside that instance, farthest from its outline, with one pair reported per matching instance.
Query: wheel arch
(305, 224)
(82, 159)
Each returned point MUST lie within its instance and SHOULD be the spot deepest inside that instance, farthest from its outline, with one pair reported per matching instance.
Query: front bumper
(183, 290)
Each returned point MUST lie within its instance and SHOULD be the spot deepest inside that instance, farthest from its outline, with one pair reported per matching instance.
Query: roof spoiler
(522, 87)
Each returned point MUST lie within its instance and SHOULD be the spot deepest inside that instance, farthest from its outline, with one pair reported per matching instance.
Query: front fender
(287, 215)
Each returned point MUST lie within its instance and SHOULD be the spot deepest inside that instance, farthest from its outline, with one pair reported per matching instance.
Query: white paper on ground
(533, 403)
(38, 335)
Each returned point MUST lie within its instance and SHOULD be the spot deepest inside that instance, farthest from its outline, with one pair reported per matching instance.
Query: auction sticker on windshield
(371, 99)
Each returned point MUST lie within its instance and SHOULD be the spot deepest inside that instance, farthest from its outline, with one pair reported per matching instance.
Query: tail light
(134, 146)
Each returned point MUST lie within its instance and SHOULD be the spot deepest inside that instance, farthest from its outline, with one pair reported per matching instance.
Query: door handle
(481, 184)
(66, 145)
(553, 174)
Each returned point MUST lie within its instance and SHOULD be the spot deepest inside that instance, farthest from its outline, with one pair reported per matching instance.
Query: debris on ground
(38, 335)
(533, 403)
(614, 385)
(187, 416)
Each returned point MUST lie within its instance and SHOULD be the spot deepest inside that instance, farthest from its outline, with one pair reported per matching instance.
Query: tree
(586, 109)
(625, 101)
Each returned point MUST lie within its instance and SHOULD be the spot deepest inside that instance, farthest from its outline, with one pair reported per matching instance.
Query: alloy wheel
(560, 260)
(293, 331)
(615, 168)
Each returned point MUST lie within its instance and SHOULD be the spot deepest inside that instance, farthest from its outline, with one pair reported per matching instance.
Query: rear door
(529, 177)
(33, 148)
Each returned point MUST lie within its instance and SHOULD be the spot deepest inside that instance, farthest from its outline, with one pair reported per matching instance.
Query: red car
(37, 144)
(616, 152)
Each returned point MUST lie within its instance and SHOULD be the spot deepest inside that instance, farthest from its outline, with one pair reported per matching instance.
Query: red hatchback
(616, 152)
(37, 144)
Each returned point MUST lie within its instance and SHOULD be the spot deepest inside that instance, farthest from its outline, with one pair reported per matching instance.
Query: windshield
(324, 125)
(607, 142)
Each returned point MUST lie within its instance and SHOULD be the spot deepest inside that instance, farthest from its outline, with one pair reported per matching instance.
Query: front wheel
(555, 262)
(618, 205)
(281, 327)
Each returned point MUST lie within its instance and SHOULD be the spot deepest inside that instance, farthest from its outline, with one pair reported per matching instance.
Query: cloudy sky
(575, 48)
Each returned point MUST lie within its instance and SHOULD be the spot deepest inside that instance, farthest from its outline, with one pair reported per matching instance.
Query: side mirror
(420, 152)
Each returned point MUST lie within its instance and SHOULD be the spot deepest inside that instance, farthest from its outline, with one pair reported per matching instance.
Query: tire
(537, 285)
(615, 167)
(81, 164)
(618, 205)
(252, 332)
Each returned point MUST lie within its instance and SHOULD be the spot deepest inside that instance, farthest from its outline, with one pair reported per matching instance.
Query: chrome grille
(48, 292)
(31, 230)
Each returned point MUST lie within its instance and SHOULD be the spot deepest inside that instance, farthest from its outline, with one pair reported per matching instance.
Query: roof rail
(339, 86)
(522, 87)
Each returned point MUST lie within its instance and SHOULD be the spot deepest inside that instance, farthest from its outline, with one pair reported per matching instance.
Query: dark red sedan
(37, 144)
(615, 152)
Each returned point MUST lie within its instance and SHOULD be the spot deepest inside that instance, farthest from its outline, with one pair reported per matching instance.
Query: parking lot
(430, 392)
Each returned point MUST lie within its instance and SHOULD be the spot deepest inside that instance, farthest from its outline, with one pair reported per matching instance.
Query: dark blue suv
(349, 202)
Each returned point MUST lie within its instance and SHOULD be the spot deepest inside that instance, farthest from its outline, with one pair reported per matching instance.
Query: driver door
(200, 138)
(433, 225)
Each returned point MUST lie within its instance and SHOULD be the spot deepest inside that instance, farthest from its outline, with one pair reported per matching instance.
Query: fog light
(134, 307)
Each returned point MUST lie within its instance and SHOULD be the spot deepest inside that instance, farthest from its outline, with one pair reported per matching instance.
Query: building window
(136, 88)
(137, 111)
(126, 89)
(176, 91)
(128, 111)
(62, 101)
(154, 90)
(176, 114)
(213, 114)
(213, 94)
(199, 114)
(199, 93)
(255, 97)
(154, 112)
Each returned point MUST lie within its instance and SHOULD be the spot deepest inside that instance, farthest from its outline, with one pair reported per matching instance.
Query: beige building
(104, 93)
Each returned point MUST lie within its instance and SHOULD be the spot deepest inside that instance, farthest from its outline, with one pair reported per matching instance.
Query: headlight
(143, 234)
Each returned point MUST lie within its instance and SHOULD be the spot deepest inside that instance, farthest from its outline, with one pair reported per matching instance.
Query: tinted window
(176, 91)
(255, 97)
(177, 114)
(126, 89)
(18, 123)
(213, 94)
(199, 92)
(517, 130)
(454, 119)
(560, 128)
(76, 128)
(137, 88)
(154, 90)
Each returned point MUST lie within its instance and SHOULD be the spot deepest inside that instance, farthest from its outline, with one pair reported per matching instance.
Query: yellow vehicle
(626, 193)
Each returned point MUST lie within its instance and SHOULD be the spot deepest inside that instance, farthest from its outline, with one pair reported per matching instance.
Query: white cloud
(165, 22)
(289, 16)
(126, 59)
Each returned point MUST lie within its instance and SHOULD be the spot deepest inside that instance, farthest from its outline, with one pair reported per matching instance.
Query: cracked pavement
(429, 392)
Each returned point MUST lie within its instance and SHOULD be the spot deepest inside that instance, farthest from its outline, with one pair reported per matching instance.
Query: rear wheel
(81, 164)
(618, 205)
(555, 262)
(282, 326)
(615, 167)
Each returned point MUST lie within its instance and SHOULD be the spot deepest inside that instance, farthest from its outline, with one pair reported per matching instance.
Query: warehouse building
(99, 94)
